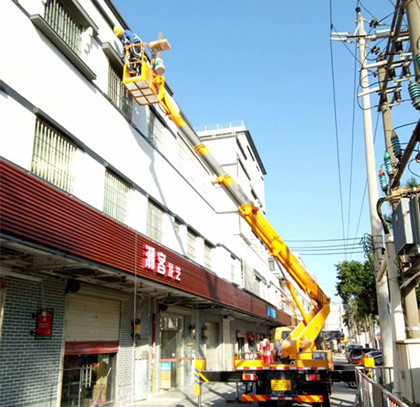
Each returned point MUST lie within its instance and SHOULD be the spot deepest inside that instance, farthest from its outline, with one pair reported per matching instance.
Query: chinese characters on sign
(156, 262)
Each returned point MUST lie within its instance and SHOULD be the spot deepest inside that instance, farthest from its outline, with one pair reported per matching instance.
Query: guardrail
(371, 391)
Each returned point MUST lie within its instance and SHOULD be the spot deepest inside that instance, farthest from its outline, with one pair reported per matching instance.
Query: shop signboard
(155, 260)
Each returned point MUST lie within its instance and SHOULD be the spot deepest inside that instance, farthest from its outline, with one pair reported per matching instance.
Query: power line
(332, 247)
(352, 145)
(332, 254)
(324, 240)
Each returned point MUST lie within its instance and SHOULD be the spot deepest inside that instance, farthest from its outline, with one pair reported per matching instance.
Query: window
(154, 222)
(53, 156)
(65, 23)
(192, 166)
(115, 199)
(117, 93)
(191, 244)
(157, 132)
(207, 255)
(257, 287)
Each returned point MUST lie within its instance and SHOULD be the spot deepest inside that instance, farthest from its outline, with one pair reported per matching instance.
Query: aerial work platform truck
(309, 373)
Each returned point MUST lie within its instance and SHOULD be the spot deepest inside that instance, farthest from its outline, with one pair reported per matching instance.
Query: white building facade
(121, 262)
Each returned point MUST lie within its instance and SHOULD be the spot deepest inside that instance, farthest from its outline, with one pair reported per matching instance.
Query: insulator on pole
(414, 91)
(388, 164)
(397, 96)
(398, 46)
(396, 146)
(391, 73)
(383, 181)
(418, 60)
(406, 71)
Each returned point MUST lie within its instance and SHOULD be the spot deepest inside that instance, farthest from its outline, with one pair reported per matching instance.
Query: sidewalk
(212, 394)
(215, 394)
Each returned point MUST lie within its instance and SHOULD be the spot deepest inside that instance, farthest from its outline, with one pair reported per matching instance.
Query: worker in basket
(127, 37)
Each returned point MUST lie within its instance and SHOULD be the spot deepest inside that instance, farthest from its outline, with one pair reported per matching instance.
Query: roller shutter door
(92, 325)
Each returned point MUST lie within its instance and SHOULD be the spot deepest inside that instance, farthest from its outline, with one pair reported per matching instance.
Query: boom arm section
(304, 335)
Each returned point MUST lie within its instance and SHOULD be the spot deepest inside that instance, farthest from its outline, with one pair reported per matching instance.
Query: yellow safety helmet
(118, 31)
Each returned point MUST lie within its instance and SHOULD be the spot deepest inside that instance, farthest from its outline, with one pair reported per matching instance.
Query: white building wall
(89, 179)
(50, 83)
(17, 126)
(334, 320)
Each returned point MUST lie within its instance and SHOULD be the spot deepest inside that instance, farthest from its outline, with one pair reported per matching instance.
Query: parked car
(355, 354)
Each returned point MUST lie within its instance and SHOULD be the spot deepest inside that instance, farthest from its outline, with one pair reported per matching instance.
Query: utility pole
(382, 293)
(413, 17)
(398, 331)
(409, 291)
(386, 114)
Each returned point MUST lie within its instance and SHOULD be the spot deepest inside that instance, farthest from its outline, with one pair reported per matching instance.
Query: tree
(357, 288)
(412, 183)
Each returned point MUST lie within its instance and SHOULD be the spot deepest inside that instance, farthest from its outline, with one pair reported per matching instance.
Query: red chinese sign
(44, 324)
(155, 261)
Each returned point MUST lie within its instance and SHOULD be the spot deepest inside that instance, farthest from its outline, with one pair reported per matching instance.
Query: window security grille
(157, 132)
(53, 156)
(115, 199)
(207, 256)
(191, 245)
(118, 95)
(154, 222)
(64, 23)
(193, 168)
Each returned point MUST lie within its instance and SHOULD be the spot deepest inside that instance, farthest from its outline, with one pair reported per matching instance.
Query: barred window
(65, 23)
(115, 198)
(53, 156)
(157, 132)
(155, 221)
(207, 255)
(191, 244)
(117, 93)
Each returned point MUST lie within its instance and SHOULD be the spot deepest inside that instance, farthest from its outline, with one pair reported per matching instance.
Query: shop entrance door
(212, 346)
(87, 380)
(171, 352)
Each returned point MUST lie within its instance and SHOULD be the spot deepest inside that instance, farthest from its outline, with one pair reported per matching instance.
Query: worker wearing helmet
(127, 37)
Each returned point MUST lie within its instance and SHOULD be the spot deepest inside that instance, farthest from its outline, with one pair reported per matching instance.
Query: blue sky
(269, 64)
